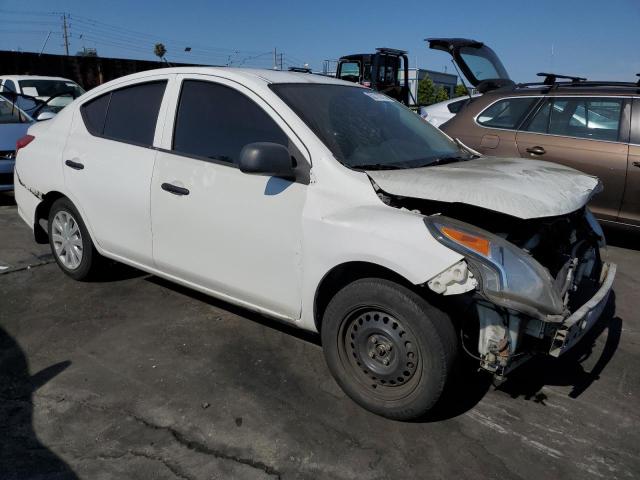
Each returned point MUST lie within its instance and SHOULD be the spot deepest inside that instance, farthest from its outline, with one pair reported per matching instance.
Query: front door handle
(176, 190)
(74, 165)
(636, 164)
(536, 150)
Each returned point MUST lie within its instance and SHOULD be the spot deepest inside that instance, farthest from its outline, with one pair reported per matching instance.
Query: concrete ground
(134, 377)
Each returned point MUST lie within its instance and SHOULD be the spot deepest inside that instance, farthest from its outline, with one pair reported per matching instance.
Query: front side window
(581, 117)
(128, 115)
(216, 122)
(366, 129)
(507, 113)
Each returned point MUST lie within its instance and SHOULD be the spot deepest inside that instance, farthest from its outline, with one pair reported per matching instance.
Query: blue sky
(593, 38)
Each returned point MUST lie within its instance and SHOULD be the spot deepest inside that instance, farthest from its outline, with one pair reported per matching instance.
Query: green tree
(160, 51)
(426, 91)
(442, 95)
(460, 91)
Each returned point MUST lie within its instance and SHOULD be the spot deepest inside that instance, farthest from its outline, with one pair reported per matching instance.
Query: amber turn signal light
(473, 242)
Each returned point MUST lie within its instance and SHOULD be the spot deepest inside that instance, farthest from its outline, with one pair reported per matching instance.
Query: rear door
(108, 164)
(498, 124)
(589, 134)
(630, 211)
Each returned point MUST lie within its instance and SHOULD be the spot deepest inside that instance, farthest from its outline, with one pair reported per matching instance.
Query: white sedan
(327, 205)
(441, 112)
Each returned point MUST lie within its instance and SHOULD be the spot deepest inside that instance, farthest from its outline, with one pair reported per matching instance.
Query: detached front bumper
(580, 322)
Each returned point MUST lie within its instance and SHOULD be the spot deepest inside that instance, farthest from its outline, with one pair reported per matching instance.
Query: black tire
(89, 262)
(378, 317)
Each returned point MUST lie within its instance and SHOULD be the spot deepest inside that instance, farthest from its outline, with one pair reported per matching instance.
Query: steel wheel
(67, 240)
(380, 353)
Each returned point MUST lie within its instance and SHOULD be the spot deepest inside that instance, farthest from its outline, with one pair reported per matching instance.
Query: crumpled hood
(515, 186)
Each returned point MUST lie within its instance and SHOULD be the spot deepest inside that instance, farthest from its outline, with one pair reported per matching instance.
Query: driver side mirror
(45, 116)
(266, 158)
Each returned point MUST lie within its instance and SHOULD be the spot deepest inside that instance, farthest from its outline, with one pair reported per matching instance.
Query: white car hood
(515, 186)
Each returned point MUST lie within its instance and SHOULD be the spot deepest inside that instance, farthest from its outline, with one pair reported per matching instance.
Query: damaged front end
(536, 285)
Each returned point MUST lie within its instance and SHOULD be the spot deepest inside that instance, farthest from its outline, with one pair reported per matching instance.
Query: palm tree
(160, 51)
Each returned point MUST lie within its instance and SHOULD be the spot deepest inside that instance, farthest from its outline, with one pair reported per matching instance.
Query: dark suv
(591, 126)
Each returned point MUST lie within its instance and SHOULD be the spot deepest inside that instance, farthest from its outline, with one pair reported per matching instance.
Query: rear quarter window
(507, 113)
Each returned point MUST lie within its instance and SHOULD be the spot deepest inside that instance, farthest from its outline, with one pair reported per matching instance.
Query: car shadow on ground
(470, 386)
(623, 237)
(22, 455)
(7, 199)
(269, 322)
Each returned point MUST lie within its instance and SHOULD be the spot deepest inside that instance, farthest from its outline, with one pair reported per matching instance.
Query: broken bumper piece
(580, 322)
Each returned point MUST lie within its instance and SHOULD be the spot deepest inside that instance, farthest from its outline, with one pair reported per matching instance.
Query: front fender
(395, 239)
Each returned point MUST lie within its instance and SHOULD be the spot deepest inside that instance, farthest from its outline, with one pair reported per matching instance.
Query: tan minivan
(591, 126)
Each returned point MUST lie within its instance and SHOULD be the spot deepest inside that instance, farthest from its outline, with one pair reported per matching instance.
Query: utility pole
(281, 55)
(65, 34)
(275, 59)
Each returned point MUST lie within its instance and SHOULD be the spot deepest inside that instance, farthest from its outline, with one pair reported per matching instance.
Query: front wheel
(389, 350)
(70, 242)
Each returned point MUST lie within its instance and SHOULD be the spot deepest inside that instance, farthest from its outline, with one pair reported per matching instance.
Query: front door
(229, 233)
(585, 133)
(108, 165)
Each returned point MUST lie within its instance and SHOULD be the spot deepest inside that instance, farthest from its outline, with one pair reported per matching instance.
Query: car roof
(245, 75)
(34, 77)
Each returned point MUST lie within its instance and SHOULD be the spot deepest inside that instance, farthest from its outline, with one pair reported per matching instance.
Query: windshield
(366, 129)
(49, 88)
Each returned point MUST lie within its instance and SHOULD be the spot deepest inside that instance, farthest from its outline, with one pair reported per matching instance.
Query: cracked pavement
(134, 377)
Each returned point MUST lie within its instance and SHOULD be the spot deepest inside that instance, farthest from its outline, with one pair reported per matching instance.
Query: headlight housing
(510, 277)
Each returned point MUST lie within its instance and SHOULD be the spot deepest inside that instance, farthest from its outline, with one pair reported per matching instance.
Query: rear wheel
(389, 349)
(70, 242)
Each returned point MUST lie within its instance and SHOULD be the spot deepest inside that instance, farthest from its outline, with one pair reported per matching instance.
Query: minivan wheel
(388, 348)
(70, 242)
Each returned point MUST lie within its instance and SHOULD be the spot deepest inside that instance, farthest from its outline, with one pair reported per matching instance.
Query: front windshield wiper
(378, 166)
(452, 159)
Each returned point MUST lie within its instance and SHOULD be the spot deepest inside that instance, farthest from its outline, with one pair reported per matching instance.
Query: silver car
(14, 123)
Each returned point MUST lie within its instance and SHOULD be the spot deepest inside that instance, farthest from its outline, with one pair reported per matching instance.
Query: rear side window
(454, 107)
(593, 118)
(216, 122)
(507, 113)
(94, 114)
(127, 115)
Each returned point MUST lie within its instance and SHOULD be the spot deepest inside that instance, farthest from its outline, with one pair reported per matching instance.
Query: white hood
(515, 186)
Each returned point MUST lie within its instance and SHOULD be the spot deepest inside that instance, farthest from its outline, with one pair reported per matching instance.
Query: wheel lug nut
(373, 339)
(372, 355)
(385, 362)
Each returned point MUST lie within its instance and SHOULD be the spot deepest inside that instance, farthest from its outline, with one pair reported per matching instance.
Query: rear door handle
(536, 150)
(74, 165)
(636, 164)
(176, 190)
